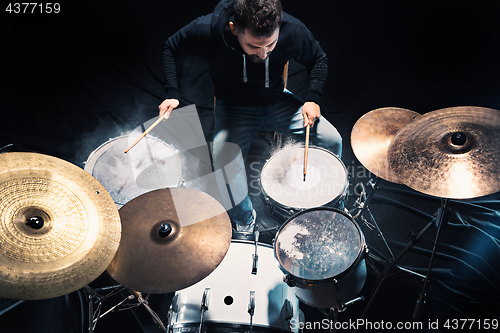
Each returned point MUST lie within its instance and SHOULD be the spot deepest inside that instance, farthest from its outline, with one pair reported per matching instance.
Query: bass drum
(283, 187)
(322, 254)
(150, 165)
(231, 292)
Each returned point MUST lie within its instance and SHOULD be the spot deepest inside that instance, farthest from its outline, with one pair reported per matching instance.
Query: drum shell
(282, 213)
(331, 292)
(233, 278)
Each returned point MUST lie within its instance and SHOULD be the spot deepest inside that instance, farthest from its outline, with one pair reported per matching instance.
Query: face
(257, 48)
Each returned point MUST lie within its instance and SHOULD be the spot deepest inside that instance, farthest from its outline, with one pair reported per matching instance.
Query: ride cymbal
(372, 135)
(450, 153)
(59, 227)
(171, 239)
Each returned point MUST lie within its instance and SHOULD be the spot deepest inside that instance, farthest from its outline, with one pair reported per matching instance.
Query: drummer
(247, 44)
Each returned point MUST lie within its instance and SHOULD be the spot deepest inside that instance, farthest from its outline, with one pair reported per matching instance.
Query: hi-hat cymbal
(372, 135)
(59, 227)
(450, 153)
(171, 239)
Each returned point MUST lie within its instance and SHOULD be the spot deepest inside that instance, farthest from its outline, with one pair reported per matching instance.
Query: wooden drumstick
(144, 134)
(306, 150)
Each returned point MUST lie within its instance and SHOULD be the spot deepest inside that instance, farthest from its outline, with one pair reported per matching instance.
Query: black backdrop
(70, 81)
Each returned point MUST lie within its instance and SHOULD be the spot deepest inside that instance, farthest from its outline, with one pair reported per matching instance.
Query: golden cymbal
(372, 135)
(59, 227)
(450, 153)
(171, 239)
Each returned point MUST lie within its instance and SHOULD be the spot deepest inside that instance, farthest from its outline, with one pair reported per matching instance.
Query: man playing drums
(247, 44)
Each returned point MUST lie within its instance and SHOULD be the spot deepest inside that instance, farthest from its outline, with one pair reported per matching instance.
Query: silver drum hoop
(286, 193)
(151, 164)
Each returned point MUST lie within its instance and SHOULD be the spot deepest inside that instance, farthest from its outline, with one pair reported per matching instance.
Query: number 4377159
(33, 7)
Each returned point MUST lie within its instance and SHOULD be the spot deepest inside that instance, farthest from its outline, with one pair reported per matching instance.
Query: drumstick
(144, 134)
(306, 150)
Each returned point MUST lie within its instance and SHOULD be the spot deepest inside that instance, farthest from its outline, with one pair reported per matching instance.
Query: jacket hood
(220, 18)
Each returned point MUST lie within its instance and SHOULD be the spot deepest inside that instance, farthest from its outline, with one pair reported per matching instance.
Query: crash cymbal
(450, 153)
(372, 135)
(59, 227)
(171, 239)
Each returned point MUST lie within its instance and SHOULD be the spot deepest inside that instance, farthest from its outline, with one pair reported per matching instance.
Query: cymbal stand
(362, 206)
(93, 295)
(441, 215)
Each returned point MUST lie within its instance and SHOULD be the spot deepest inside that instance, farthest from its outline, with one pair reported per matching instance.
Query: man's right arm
(188, 38)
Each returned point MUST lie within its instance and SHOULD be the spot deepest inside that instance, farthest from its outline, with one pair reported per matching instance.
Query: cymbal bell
(450, 153)
(59, 227)
(171, 239)
(372, 135)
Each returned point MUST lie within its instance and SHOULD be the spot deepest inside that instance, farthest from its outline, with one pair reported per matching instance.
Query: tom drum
(283, 187)
(322, 254)
(152, 164)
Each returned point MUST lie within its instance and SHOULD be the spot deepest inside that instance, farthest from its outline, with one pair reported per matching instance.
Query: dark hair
(260, 17)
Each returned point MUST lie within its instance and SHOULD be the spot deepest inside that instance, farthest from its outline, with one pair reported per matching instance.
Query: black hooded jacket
(239, 81)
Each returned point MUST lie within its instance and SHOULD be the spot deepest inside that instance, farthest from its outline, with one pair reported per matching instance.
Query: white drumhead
(318, 244)
(282, 178)
(151, 164)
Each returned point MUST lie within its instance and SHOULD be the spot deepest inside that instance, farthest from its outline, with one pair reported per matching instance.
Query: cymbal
(171, 239)
(59, 227)
(450, 153)
(372, 135)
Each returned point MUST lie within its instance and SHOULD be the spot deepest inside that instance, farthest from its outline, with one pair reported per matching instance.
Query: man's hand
(167, 106)
(311, 112)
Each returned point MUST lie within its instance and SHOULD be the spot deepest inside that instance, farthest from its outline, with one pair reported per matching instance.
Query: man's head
(256, 25)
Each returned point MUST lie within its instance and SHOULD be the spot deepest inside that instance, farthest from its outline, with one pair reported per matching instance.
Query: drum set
(132, 217)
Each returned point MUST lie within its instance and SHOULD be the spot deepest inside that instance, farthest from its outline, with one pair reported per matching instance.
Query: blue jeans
(239, 125)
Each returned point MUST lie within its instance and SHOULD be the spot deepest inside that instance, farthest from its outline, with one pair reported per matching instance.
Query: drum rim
(226, 325)
(333, 201)
(251, 242)
(359, 258)
(94, 152)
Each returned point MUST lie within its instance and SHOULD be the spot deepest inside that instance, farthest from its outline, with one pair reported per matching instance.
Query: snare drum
(227, 291)
(150, 165)
(283, 187)
(322, 254)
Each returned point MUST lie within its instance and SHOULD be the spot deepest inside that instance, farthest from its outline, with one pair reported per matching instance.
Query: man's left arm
(312, 56)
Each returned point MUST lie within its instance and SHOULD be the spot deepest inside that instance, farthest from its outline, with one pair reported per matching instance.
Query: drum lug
(288, 280)
(288, 310)
(269, 207)
(336, 284)
(174, 305)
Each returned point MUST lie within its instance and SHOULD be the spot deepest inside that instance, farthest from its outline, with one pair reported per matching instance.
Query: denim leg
(237, 125)
(286, 117)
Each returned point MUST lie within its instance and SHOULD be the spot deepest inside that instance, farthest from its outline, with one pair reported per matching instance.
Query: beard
(256, 59)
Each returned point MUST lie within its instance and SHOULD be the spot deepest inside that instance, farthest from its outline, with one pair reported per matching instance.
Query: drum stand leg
(362, 204)
(440, 217)
(93, 295)
(334, 312)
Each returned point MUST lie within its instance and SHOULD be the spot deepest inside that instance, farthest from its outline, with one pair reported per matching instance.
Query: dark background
(70, 81)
